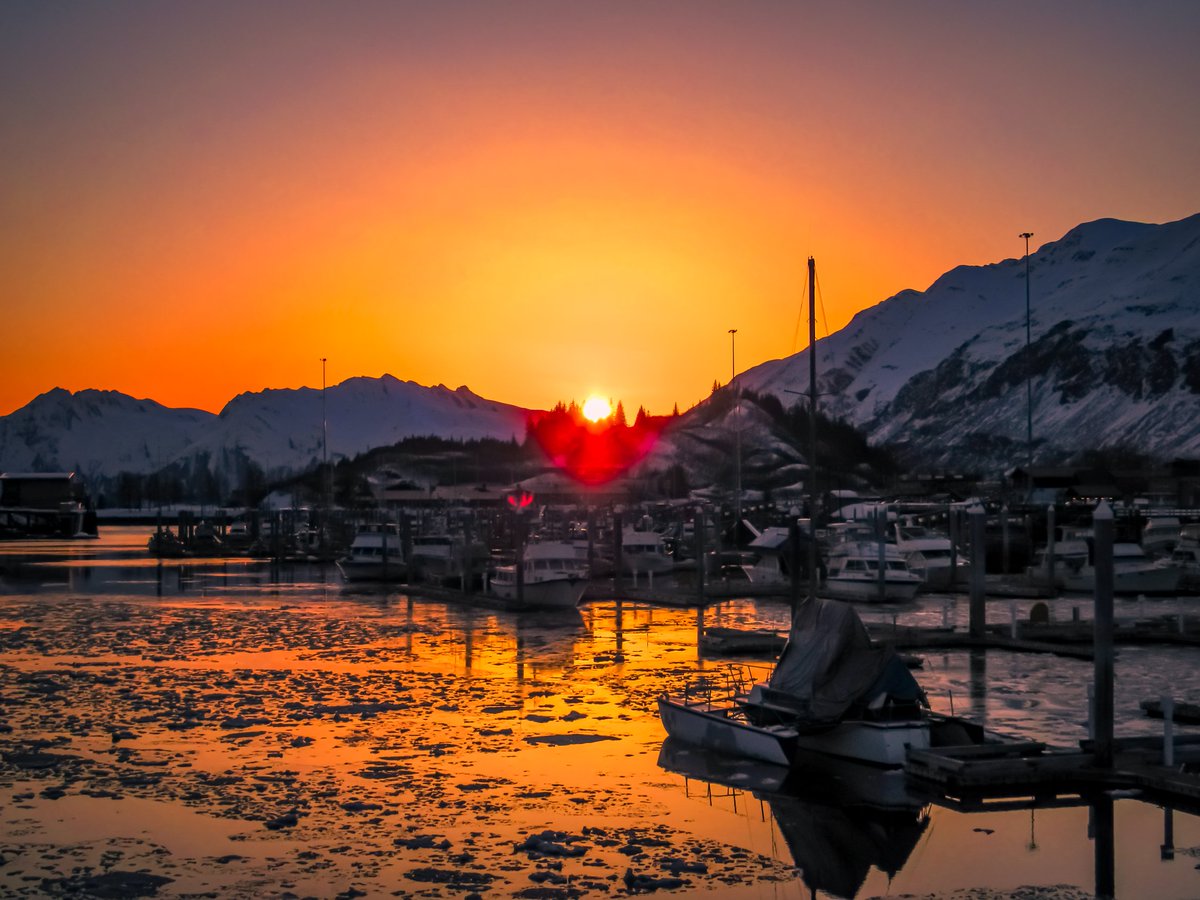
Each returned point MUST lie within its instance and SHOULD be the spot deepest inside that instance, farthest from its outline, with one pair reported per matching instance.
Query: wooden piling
(978, 610)
(1102, 529)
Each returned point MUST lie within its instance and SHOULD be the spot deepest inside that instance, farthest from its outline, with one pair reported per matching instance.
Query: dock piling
(978, 525)
(1168, 713)
(1103, 528)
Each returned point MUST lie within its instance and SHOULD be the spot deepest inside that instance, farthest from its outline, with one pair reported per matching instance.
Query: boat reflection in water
(838, 818)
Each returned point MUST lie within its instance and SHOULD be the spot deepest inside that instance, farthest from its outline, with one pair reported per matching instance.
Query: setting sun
(596, 408)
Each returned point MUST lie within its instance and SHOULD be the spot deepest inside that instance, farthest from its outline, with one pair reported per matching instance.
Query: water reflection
(486, 712)
(837, 819)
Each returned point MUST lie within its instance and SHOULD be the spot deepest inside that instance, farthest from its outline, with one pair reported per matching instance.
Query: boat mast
(812, 430)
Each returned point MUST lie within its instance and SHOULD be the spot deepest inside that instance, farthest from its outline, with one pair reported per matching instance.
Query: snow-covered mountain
(97, 434)
(103, 433)
(1115, 361)
(1115, 354)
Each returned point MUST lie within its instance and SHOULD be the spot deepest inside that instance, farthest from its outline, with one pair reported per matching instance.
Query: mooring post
(618, 551)
(881, 538)
(1050, 550)
(978, 519)
(1104, 839)
(384, 537)
(1167, 850)
(952, 525)
(1006, 553)
(794, 562)
(519, 527)
(1102, 528)
(591, 542)
(1012, 612)
(1168, 712)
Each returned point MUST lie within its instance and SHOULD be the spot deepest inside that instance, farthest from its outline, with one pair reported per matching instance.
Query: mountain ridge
(939, 375)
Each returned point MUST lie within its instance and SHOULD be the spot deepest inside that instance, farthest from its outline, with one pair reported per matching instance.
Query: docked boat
(1187, 557)
(1161, 534)
(375, 554)
(644, 552)
(1133, 573)
(552, 577)
(930, 555)
(831, 692)
(869, 572)
(768, 564)
(446, 558)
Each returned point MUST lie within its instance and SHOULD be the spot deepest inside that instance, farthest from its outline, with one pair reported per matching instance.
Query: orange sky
(542, 200)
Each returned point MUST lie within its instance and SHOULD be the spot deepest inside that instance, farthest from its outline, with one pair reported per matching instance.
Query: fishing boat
(644, 552)
(447, 558)
(931, 556)
(1187, 557)
(1133, 573)
(375, 554)
(869, 572)
(831, 692)
(552, 576)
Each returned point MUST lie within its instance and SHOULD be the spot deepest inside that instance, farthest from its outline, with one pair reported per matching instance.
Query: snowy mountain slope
(96, 433)
(1115, 353)
(281, 429)
(103, 433)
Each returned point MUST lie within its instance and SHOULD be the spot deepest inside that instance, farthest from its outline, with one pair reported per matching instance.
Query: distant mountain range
(939, 375)
(102, 433)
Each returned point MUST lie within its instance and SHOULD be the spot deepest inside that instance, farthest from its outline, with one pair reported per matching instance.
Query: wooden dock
(1028, 768)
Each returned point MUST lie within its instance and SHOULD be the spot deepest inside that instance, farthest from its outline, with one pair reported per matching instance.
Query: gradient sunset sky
(543, 200)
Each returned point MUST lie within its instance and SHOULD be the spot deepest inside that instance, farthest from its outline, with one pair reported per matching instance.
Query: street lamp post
(737, 436)
(1028, 363)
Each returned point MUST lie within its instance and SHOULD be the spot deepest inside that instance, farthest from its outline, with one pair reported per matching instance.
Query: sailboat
(832, 691)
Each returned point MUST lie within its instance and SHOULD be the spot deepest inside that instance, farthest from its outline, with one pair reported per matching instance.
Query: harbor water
(234, 728)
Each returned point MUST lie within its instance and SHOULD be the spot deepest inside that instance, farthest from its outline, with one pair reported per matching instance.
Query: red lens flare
(593, 452)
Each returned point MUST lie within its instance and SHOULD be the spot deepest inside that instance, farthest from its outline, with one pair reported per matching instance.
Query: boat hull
(714, 729)
(878, 743)
(866, 590)
(372, 570)
(556, 593)
(1147, 580)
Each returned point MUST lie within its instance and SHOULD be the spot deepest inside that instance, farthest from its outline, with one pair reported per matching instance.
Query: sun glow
(596, 408)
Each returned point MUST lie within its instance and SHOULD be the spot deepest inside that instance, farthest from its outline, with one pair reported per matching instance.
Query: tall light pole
(737, 436)
(324, 436)
(1028, 365)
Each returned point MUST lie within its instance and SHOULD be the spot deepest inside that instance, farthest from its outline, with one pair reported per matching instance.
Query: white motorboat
(1133, 573)
(869, 572)
(375, 554)
(644, 552)
(553, 576)
(1161, 534)
(931, 556)
(831, 692)
(446, 558)
(1187, 557)
(768, 565)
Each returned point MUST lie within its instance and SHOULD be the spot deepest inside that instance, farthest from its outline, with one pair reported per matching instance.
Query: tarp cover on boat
(830, 664)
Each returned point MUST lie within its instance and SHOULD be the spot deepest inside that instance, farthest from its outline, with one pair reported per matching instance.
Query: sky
(543, 200)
